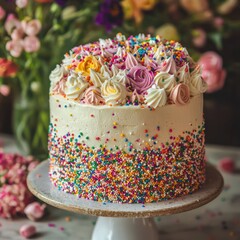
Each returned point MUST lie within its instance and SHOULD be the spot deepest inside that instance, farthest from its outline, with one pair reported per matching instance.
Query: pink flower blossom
(27, 230)
(14, 195)
(4, 90)
(212, 72)
(17, 33)
(10, 23)
(2, 13)
(218, 22)
(31, 28)
(21, 3)
(31, 44)
(14, 47)
(13, 199)
(35, 211)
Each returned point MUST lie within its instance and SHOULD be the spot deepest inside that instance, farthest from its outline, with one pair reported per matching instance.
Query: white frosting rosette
(96, 78)
(106, 72)
(166, 81)
(197, 84)
(156, 97)
(56, 75)
(113, 92)
(159, 54)
(122, 77)
(75, 86)
(115, 70)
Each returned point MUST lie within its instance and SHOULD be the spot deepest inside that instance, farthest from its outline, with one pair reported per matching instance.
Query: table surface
(218, 220)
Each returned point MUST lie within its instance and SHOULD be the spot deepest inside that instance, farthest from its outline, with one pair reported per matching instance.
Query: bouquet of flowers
(33, 37)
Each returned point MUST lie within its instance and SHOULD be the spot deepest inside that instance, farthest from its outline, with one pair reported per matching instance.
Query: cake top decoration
(141, 70)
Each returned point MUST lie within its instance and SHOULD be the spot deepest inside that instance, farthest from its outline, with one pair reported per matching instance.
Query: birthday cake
(127, 121)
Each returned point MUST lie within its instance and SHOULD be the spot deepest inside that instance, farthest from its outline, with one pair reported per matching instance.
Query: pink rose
(31, 28)
(35, 211)
(141, 78)
(27, 230)
(10, 23)
(212, 72)
(4, 90)
(14, 47)
(180, 94)
(31, 44)
(2, 13)
(21, 3)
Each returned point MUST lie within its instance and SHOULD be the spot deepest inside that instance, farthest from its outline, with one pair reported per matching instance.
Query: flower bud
(35, 211)
(27, 230)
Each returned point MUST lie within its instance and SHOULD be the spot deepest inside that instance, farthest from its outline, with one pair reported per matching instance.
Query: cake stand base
(108, 228)
(122, 221)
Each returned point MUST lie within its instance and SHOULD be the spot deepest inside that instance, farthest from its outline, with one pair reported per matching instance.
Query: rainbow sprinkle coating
(141, 176)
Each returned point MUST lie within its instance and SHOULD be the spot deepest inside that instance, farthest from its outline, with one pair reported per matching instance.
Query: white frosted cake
(127, 121)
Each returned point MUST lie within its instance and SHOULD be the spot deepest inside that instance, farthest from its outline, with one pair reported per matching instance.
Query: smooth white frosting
(98, 121)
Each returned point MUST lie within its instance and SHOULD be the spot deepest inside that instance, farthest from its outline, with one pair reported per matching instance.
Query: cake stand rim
(172, 206)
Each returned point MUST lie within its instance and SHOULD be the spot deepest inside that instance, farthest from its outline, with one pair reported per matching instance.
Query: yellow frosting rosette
(89, 62)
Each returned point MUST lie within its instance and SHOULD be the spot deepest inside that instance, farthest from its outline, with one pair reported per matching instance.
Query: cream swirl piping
(113, 92)
(166, 81)
(131, 61)
(180, 94)
(197, 84)
(169, 66)
(156, 97)
(75, 86)
(122, 77)
(93, 96)
(56, 75)
(96, 78)
(183, 74)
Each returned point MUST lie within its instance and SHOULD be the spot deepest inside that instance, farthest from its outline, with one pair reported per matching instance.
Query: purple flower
(110, 14)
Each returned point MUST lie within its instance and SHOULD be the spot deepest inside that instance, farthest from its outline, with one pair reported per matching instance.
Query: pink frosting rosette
(180, 94)
(93, 96)
(141, 78)
(212, 72)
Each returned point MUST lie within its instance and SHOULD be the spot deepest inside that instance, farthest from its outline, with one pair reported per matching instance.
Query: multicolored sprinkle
(141, 176)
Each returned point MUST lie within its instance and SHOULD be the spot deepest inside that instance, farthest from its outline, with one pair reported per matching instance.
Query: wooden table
(218, 220)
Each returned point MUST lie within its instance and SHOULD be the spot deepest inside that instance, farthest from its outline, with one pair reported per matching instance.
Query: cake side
(126, 154)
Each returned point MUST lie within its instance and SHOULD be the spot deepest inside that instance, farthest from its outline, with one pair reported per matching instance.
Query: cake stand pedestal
(122, 221)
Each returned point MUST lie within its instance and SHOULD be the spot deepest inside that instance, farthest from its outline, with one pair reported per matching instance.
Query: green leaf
(217, 39)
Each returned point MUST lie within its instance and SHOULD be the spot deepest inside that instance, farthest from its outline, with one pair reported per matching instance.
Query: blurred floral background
(35, 34)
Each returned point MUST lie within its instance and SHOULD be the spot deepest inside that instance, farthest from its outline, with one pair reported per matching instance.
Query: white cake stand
(122, 221)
